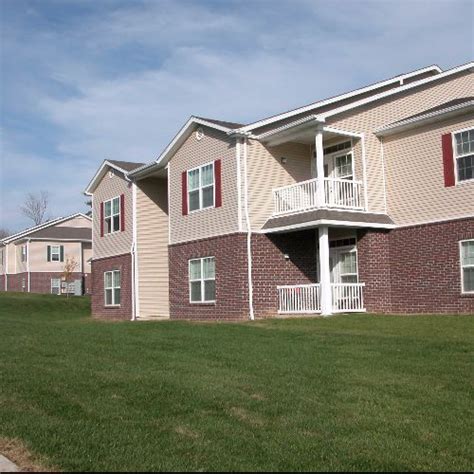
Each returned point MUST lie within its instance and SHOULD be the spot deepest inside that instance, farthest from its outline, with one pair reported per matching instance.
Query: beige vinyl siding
(11, 250)
(86, 257)
(39, 256)
(369, 118)
(20, 267)
(266, 172)
(118, 243)
(78, 222)
(415, 176)
(207, 222)
(3, 259)
(152, 247)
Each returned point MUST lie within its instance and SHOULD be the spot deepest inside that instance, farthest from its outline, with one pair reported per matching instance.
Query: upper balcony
(304, 196)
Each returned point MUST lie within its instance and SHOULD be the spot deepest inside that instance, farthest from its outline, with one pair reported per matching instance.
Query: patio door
(343, 265)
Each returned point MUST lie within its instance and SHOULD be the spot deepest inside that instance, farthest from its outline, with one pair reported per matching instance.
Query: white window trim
(462, 267)
(455, 157)
(202, 280)
(112, 215)
(59, 287)
(58, 253)
(212, 163)
(113, 288)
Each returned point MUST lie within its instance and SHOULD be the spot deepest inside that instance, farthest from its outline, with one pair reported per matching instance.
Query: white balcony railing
(347, 297)
(338, 193)
(299, 299)
(305, 299)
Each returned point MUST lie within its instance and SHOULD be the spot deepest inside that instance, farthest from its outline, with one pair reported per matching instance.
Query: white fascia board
(338, 98)
(398, 90)
(100, 172)
(45, 225)
(424, 119)
(177, 141)
(328, 222)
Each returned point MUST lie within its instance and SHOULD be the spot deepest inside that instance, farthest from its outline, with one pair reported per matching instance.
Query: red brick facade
(408, 270)
(271, 268)
(40, 282)
(124, 264)
(231, 303)
(18, 282)
(418, 270)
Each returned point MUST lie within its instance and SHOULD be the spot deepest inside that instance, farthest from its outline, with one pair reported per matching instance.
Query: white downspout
(6, 267)
(135, 301)
(249, 235)
(28, 264)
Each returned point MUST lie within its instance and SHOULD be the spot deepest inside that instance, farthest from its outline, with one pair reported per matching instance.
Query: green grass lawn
(355, 392)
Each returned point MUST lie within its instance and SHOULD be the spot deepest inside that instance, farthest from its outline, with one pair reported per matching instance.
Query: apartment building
(360, 202)
(34, 260)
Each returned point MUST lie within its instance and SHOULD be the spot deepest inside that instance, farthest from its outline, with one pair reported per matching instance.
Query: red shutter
(448, 160)
(101, 219)
(218, 182)
(184, 193)
(122, 212)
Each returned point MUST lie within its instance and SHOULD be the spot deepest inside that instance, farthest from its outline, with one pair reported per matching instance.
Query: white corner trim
(384, 181)
(135, 263)
(249, 235)
(28, 264)
(364, 172)
(239, 183)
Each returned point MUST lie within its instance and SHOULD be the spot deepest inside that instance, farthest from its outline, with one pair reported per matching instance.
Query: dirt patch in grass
(16, 451)
(245, 416)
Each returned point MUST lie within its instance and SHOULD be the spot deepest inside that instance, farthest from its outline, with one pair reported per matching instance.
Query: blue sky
(82, 81)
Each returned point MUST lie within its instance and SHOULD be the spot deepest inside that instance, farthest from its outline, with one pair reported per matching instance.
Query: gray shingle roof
(126, 165)
(222, 123)
(63, 233)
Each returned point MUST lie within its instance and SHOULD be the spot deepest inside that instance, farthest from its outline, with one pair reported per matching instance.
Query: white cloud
(240, 63)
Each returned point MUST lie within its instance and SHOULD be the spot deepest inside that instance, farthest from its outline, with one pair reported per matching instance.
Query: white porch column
(324, 271)
(318, 141)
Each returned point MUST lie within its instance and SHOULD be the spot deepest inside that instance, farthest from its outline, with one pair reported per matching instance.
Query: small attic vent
(199, 134)
(111, 174)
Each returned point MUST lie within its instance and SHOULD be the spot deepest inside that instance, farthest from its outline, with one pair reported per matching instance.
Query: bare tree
(68, 272)
(35, 206)
(4, 233)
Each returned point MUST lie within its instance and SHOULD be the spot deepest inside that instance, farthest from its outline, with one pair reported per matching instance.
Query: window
(202, 280)
(464, 154)
(55, 286)
(112, 215)
(467, 266)
(348, 267)
(343, 166)
(335, 148)
(201, 187)
(24, 253)
(55, 253)
(112, 288)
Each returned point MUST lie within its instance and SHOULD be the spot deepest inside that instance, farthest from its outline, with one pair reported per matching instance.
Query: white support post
(324, 271)
(319, 167)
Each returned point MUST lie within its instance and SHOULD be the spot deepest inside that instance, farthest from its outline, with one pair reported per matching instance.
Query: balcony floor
(308, 219)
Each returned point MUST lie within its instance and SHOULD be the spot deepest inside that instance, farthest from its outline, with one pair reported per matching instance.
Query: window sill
(112, 306)
(467, 295)
(203, 303)
(196, 211)
(464, 182)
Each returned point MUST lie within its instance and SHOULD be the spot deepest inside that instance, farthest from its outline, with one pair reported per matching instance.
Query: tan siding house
(361, 202)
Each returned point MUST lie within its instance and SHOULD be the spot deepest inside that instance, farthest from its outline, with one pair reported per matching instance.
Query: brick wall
(373, 258)
(2, 282)
(15, 282)
(425, 268)
(271, 268)
(124, 264)
(41, 281)
(231, 303)
(415, 269)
